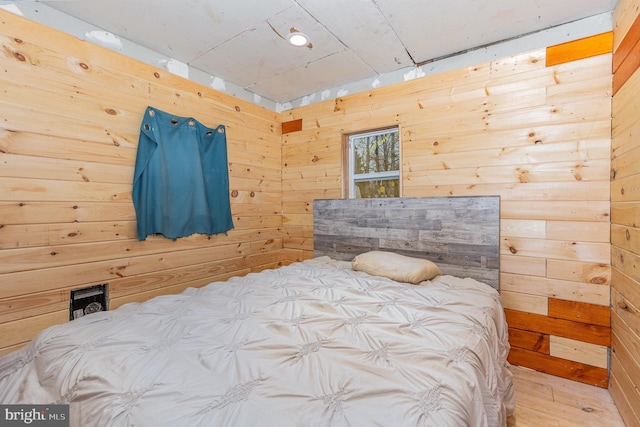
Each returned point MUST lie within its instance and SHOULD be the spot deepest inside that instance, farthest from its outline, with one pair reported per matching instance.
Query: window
(374, 164)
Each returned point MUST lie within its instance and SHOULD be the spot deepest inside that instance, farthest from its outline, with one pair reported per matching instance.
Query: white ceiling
(242, 41)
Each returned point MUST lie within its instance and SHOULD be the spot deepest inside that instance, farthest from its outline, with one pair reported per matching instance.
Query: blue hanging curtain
(181, 180)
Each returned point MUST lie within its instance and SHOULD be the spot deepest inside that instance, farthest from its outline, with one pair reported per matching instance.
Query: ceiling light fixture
(297, 38)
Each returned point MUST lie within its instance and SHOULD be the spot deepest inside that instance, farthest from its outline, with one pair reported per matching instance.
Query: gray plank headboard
(460, 234)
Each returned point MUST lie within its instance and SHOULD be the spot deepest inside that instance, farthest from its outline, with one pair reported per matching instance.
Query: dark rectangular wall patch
(292, 126)
(580, 49)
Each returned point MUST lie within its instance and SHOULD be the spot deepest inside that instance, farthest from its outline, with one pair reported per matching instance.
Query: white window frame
(387, 175)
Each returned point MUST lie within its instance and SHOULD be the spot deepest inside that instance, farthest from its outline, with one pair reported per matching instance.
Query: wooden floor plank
(547, 400)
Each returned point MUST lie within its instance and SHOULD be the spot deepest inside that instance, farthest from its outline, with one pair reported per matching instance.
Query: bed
(316, 343)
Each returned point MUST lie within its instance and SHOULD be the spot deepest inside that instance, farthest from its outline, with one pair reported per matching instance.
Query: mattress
(309, 344)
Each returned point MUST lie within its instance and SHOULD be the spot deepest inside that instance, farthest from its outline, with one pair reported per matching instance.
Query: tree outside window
(374, 164)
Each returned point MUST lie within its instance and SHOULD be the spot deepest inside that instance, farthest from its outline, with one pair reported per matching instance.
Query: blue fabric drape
(181, 179)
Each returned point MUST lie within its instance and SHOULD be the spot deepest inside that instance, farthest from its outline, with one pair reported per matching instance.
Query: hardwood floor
(548, 401)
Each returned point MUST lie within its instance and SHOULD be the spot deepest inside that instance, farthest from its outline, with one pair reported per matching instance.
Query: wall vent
(88, 300)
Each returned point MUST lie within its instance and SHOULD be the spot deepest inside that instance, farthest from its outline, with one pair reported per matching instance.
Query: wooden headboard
(460, 234)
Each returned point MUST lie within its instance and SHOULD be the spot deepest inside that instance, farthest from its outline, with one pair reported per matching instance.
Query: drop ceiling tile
(339, 68)
(262, 52)
(182, 30)
(361, 26)
(432, 29)
(242, 41)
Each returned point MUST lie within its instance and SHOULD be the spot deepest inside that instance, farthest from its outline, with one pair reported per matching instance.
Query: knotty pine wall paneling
(539, 137)
(624, 384)
(69, 123)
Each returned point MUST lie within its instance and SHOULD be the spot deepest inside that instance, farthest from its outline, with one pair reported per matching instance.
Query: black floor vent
(88, 300)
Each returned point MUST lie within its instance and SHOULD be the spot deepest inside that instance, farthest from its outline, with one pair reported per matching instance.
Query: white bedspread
(310, 344)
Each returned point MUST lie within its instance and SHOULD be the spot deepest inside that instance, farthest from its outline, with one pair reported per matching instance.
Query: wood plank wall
(538, 136)
(625, 213)
(69, 123)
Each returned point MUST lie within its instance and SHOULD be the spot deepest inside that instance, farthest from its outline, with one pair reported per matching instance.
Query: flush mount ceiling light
(297, 38)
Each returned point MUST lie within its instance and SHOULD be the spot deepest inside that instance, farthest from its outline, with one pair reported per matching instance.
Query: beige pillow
(395, 266)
